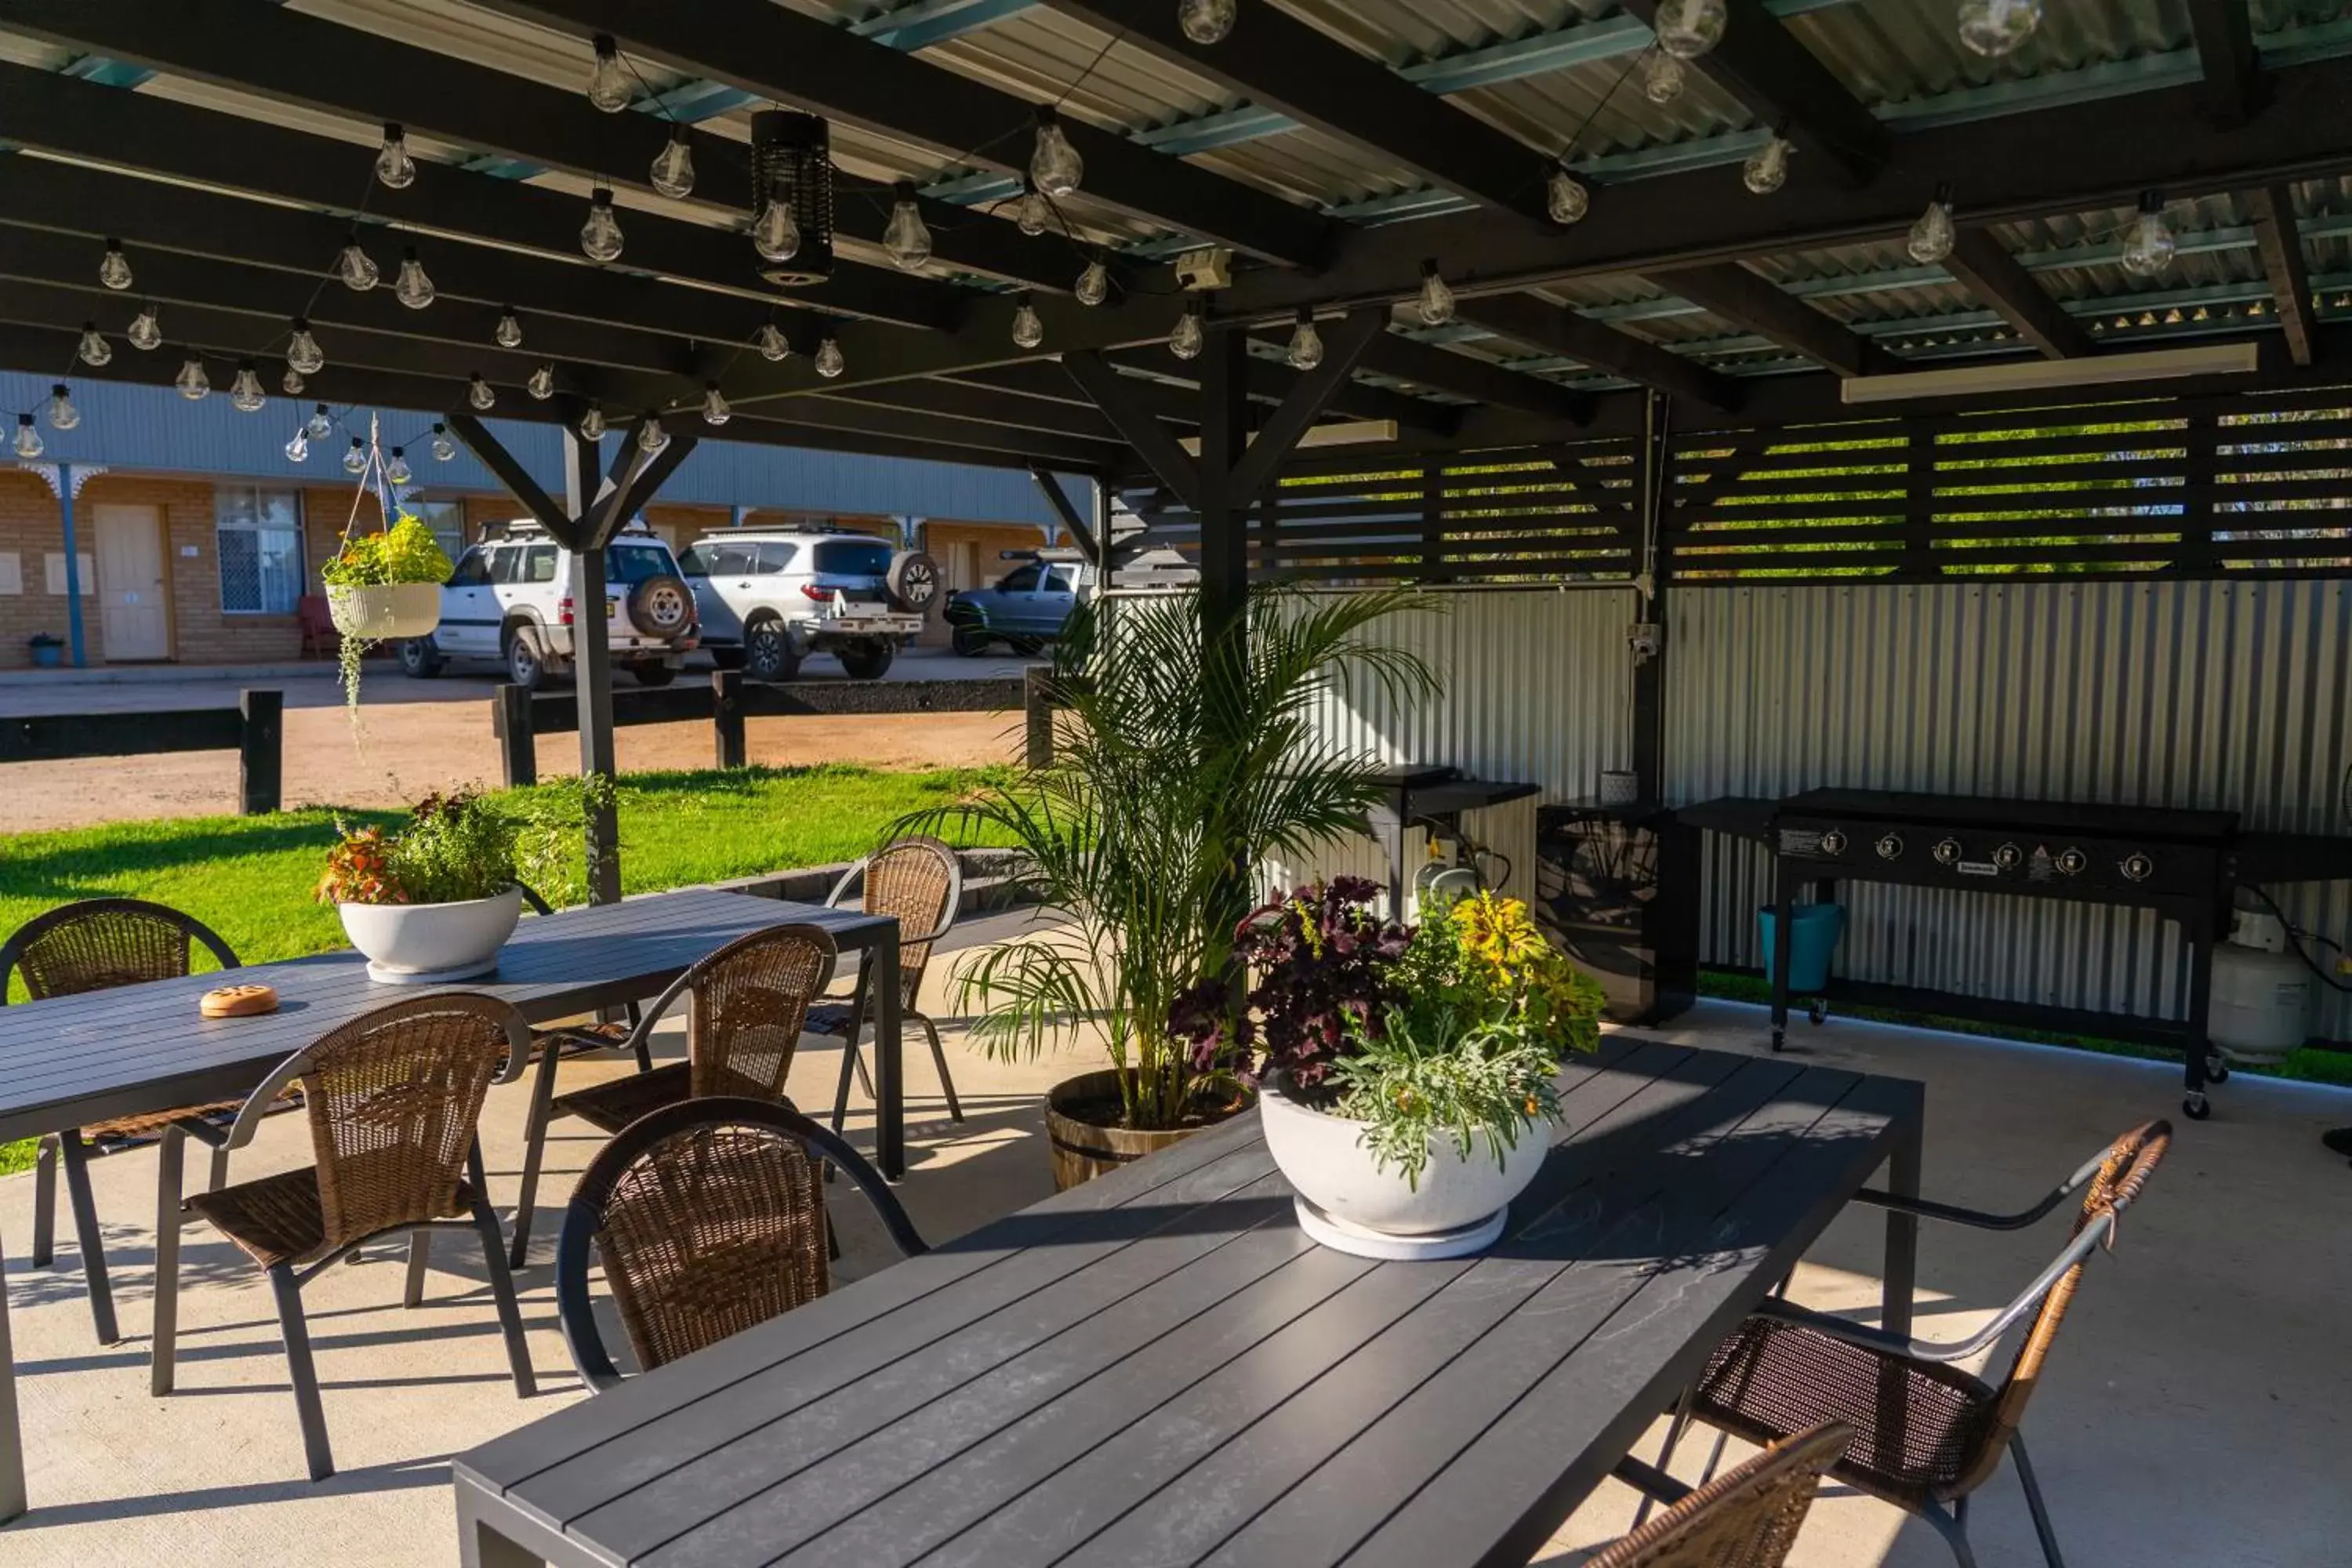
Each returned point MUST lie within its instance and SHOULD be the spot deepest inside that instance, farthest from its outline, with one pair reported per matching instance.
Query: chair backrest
(101, 943)
(746, 1005)
(919, 880)
(392, 1098)
(1744, 1518)
(312, 615)
(709, 1216)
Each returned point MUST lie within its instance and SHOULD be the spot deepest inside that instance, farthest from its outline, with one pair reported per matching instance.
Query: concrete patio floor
(2198, 1408)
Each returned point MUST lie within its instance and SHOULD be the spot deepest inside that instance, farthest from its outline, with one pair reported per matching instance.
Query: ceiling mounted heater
(792, 164)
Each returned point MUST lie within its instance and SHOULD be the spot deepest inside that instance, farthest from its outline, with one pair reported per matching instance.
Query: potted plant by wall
(1405, 1074)
(433, 899)
(1173, 768)
(47, 649)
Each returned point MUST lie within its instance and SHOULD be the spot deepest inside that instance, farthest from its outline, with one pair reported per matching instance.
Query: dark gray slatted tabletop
(72, 1061)
(1157, 1368)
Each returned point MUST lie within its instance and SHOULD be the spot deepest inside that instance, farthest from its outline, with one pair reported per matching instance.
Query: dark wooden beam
(492, 453)
(2224, 31)
(779, 54)
(1782, 83)
(1286, 65)
(1987, 270)
(1045, 383)
(1270, 381)
(1051, 488)
(1344, 347)
(1152, 442)
(636, 477)
(1441, 370)
(2281, 243)
(962, 400)
(1555, 329)
(1749, 301)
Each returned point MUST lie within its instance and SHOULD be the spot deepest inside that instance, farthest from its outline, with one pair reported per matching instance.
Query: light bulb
(508, 334)
(414, 288)
(95, 350)
(1305, 343)
(905, 239)
(1187, 340)
(319, 425)
(773, 346)
(608, 83)
(194, 384)
(651, 437)
(1028, 328)
(245, 394)
(1663, 77)
(114, 268)
(298, 450)
(479, 393)
(293, 383)
(359, 273)
(1567, 198)
(1767, 169)
(1034, 212)
(1688, 29)
(394, 166)
(2147, 243)
(444, 448)
(1053, 164)
(146, 329)
(600, 237)
(28, 439)
(1435, 305)
(592, 423)
(1931, 237)
(673, 172)
(1207, 21)
(1996, 27)
(303, 350)
(776, 232)
(541, 385)
(829, 361)
(355, 460)
(716, 409)
(63, 415)
(395, 472)
(1094, 284)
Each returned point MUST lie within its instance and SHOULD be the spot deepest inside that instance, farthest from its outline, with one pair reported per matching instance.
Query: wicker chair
(94, 945)
(747, 1003)
(392, 1098)
(1745, 1518)
(709, 1216)
(919, 881)
(1926, 1435)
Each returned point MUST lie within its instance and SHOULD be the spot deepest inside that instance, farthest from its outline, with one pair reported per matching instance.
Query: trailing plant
(1184, 751)
(404, 552)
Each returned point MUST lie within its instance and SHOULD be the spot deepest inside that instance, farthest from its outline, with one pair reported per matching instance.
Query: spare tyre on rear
(913, 580)
(661, 606)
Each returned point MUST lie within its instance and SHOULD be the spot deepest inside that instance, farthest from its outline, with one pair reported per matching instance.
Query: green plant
(405, 552)
(1183, 752)
(454, 847)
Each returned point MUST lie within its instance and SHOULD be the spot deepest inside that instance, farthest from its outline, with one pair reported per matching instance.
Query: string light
(1663, 77)
(1094, 284)
(1189, 337)
(1033, 212)
(1767, 169)
(245, 394)
(508, 334)
(1207, 21)
(114, 268)
(2147, 243)
(906, 240)
(95, 350)
(1028, 327)
(444, 448)
(1689, 28)
(394, 166)
(830, 361)
(1994, 28)
(63, 415)
(773, 346)
(592, 423)
(541, 385)
(28, 439)
(600, 237)
(320, 425)
(194, 384)
(293, 383)
(651, 437)
(1435, 305)
(608, 81)
(1053, 164)
(673, 172)
(353, 267)
(1567, 198)
(1932, 236)
(396, 472)
(302, 351)
(146, 329)
(413, 290)
(355, 460)
(716, 410)
(479, 393)
(1305, 343)
(775, 232)
(298, 450)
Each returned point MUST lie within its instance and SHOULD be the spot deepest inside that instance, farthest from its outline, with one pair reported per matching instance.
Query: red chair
(318, 626)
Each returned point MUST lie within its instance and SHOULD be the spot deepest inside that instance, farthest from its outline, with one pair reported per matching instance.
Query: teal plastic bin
(1811, 939)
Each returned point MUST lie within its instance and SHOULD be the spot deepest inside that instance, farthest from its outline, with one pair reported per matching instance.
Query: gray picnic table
(1159, 1368)
(73, 1060)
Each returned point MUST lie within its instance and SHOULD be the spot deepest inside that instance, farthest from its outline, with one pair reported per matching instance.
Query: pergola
(1317, 162)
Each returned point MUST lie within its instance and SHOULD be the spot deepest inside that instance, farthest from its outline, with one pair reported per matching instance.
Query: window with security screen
(258, 535)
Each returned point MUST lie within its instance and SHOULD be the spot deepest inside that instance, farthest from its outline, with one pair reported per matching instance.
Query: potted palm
(1173, 768)
(432, 900)
(1405, 1074)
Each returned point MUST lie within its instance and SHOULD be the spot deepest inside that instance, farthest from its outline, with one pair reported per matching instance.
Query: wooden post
(1037, 706)
(260, 752)
(726, 716)
(510, 717)
(591, 663)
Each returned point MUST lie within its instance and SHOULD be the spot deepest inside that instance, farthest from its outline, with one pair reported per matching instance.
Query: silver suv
(510, 600)
(771, 597)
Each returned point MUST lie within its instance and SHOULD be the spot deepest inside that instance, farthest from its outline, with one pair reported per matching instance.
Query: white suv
(771, 597)
(510, 600)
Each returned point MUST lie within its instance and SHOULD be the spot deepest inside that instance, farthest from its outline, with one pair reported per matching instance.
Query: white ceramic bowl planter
(427, 944)
(1347, 1201)
(385, 611)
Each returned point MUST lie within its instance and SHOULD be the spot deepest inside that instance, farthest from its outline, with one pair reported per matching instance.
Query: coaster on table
(237, 1001)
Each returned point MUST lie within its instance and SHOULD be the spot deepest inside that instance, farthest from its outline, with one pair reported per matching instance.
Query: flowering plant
(404, 552)
(455, 848)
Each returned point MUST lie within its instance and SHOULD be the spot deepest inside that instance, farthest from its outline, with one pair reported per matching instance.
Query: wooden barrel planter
(1085, 1147)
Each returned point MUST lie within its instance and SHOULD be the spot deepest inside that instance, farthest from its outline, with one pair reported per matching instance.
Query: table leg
(1902, 1236)
(171, 1159)
(889, 1076)
(12, 1444)
(481, 1544)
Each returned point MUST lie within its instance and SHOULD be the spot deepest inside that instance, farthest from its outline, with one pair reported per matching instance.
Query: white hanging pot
(385, 611)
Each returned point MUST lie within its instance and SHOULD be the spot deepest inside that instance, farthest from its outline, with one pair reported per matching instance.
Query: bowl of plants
(434, 900)
(383, 587)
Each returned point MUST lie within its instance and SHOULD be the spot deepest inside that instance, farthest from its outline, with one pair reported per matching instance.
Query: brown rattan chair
(392, 1098)
(709, 1216)
(94, 945)
(1745, 1518)
(747, 1003)
(920, 883)
(1926, 1435)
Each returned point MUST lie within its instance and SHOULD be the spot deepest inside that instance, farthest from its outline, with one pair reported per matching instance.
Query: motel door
(130, 609)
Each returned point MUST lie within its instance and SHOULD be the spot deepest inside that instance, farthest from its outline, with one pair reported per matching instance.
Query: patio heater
(792, 163)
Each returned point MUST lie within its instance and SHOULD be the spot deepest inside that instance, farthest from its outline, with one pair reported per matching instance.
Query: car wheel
(727, 657)
(868, 661)
(971, 642)
(768, 651)
(526, 657)
(420, 660)
(661, 606)
(652, 672)
(913, 580)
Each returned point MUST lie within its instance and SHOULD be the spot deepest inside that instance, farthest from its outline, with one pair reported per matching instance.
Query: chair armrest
(257, 1104)
(658, 1009)
(1983, 1219)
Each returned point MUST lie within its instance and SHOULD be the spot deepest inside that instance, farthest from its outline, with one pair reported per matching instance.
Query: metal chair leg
(420, 1259)
(169, 1160)
(304, 1372)
(1953, 1529)
(2040, 1509)
(534, 1149)
(45, 1202)
(219, 1176)
(74, 1154)
(502, 1291)
(645, 1048)
(849, 1065)
(1678, 1424)
(940, 1061)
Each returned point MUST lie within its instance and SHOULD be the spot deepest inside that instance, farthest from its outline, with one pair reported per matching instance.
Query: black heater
(792, 162)
(1617, 890)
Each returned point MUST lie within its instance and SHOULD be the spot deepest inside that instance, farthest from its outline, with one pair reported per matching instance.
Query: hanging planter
(385, 611)
(384, 587)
